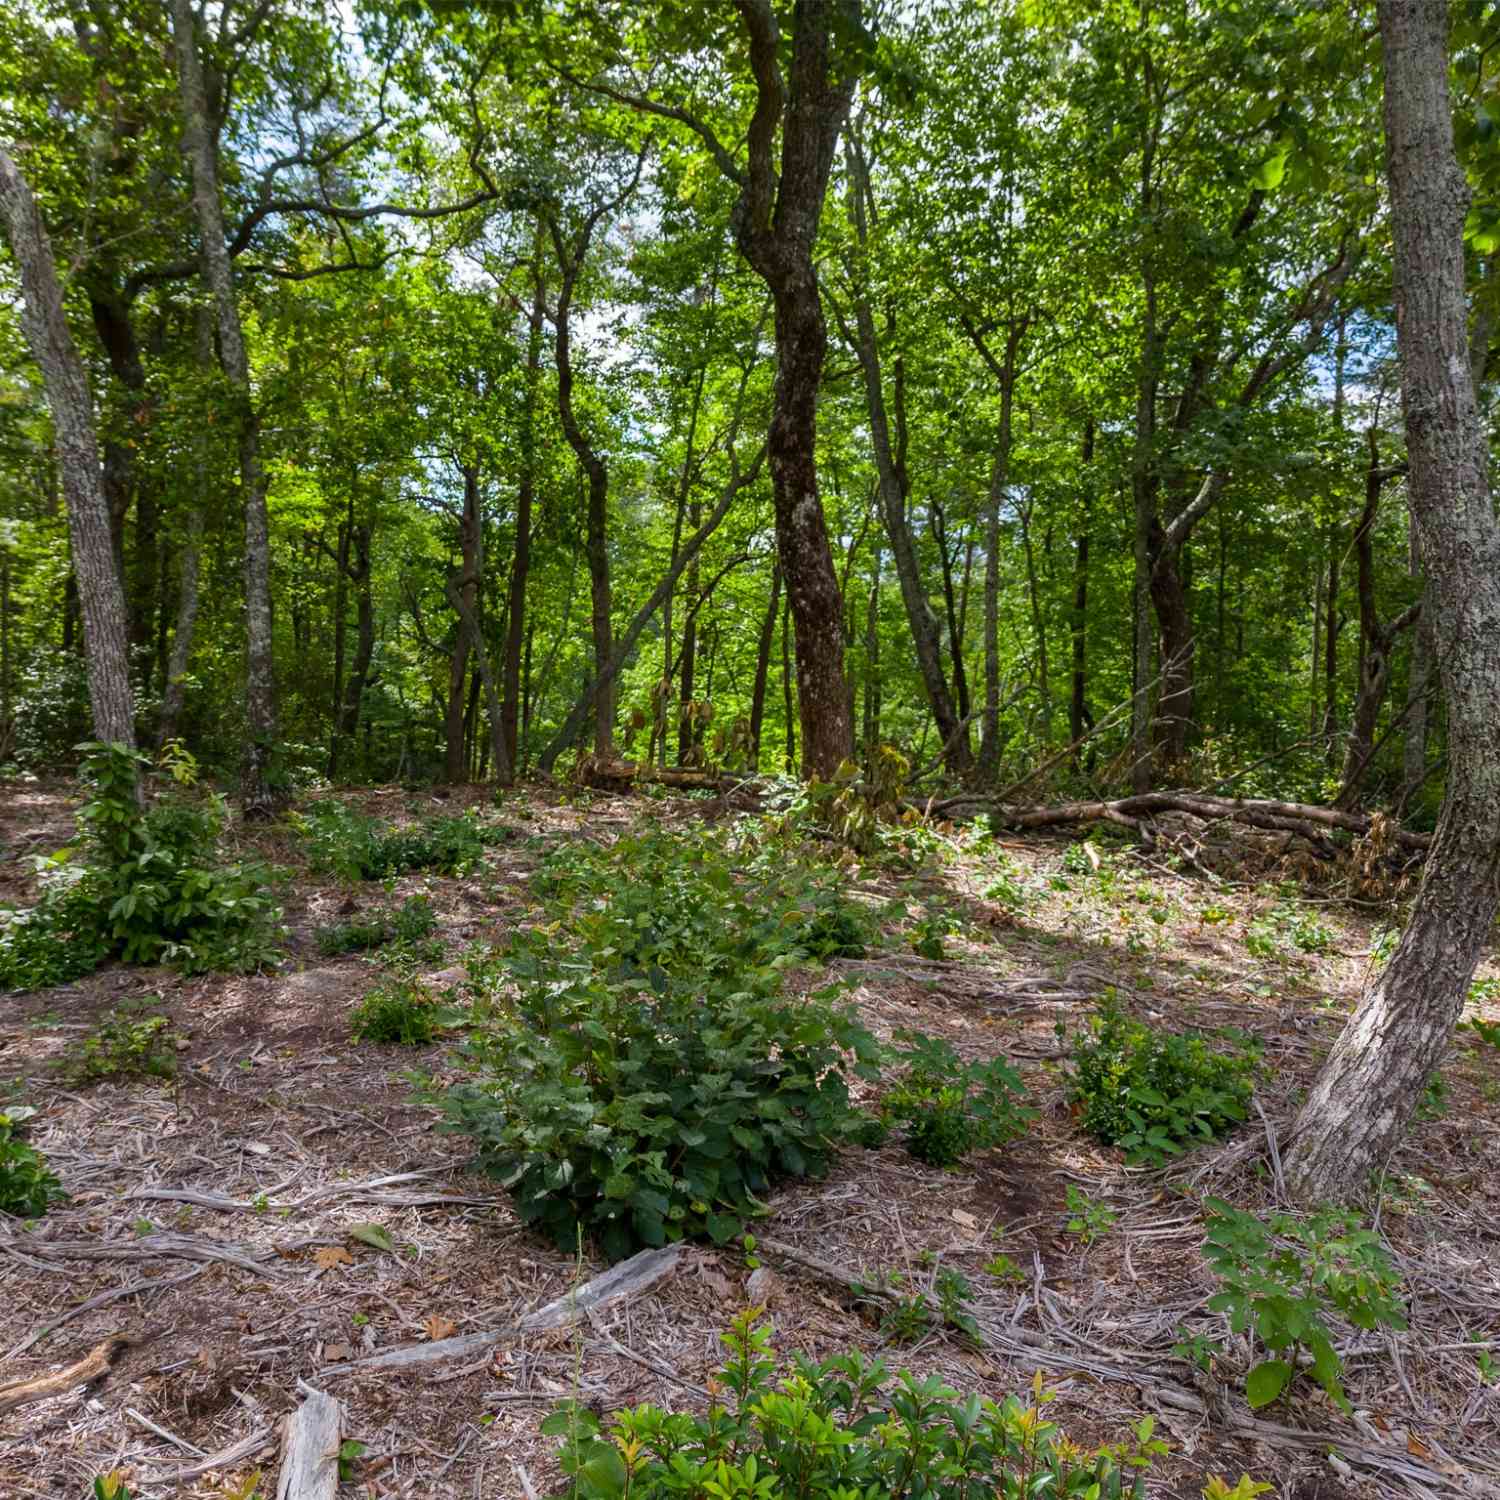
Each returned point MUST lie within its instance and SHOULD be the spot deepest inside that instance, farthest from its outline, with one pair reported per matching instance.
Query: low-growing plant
(1089, 1219)
(149, 887)
(950, 1108)
(1286, 929)
(135, 1040)
(842, 1429)
(636, 1112)
(1155, 1094)
(342, 842)
(412, 921)
(400, 1012)
(27, 1187)
(1284, 1277)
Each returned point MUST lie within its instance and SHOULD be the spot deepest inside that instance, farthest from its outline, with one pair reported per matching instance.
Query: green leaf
(1267, 177)
(1266, 1382)
(374, 1235)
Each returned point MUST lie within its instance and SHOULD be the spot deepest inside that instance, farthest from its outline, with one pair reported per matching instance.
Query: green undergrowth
(1156, 1094)
(28, 1187)
(145, 885)
(407, 925)
(847, 1428)
(642, 1068)
(353, 846)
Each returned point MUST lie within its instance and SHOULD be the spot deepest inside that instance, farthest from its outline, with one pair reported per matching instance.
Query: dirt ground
(209, 1218)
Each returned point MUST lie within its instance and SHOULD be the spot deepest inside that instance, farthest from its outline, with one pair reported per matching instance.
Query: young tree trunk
(955, 617)
(260, 794)
(788, 707)
(100, 595)
(872, 661)
(1377, 637)
(1078, 699)
(520, 566)
(1372, 1083)
(763, 665)
(464, 597)
(175, 676)
(894, 484)
(361, 535)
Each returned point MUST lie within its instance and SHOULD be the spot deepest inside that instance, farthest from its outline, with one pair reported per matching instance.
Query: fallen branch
(1305, 818)
(94, 1365)
(629, 1278)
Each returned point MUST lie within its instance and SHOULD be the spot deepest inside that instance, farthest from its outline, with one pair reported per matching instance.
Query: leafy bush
(409, 923)
(1284, 1276)
(677, 902)
(27, 1187)
(950, 1107)
(133, 1040)
(839, 1429)
(1155, 1094)
(400, 1011)
(349, 844)
(148, 889)
(56, 942)
(637, 1113)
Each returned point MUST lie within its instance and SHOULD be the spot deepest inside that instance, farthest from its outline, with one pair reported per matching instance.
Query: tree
(101, 597)
(1372, 1083)
(259, 787)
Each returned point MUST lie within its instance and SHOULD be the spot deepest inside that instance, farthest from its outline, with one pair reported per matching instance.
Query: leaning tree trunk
(260, 791)
(1371, 1084)
(100, 595)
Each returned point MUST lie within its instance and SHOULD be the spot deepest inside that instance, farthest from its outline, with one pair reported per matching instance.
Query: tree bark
(776, 225)
(1078, 709)
(174, 691)
(763, 665)
(894, 484)
(100, 594)
(470, 535)
(260, 789)
(1372, 1082)
(520, 566)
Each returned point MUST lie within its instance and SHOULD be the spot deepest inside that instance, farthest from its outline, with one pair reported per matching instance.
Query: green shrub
(1286, 929)
(27, 1188)
(133, 1040)
(949, 1107)
(1283, 1277)
(55, 942)
(1155, 1094)
(839, 1429)
(348, 844)
(412, 921)
(637, 1113)
(148, 889)
(400, 1011)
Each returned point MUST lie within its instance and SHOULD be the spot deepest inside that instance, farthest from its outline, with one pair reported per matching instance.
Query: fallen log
(310, 1452)
(1305, 818)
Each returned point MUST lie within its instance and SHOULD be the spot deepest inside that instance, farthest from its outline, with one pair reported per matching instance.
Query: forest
(749, 748)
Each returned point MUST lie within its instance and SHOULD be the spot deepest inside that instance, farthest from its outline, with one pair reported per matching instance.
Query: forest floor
(209, 1216)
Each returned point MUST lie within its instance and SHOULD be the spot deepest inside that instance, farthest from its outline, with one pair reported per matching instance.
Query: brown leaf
(337, 1352)
(326, 1257)
(1416, 1447)
(967, 1220)
(439, 1328)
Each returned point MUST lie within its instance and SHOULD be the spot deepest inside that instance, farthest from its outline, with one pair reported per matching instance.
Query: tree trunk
(520, 566)
(1372, 1082)
(466, 593)
(361, 537)
(187, 579)
(259, 788)
(763, 665)
(776, 226)
(788, 708)
(1078, 710)
(895, 486)
(100, 595)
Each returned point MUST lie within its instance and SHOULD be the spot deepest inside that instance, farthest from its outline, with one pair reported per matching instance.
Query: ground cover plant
(1156, 1094)
(340, 841)
(146, 885)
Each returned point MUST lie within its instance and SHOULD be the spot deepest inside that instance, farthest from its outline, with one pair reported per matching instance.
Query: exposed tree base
(1308, 819)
